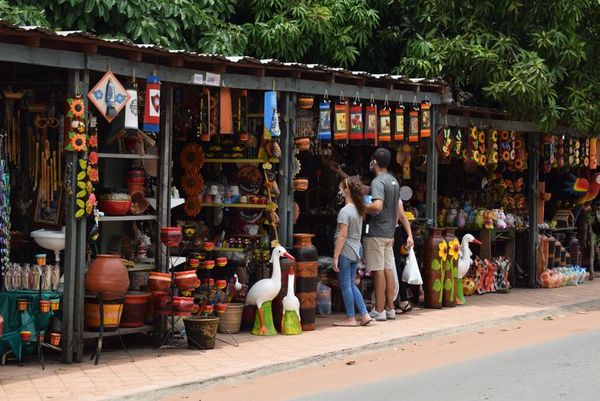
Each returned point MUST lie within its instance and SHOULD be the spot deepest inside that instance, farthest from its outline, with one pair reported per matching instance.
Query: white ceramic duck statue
(290, 321)
(262, 294)
(465, 261)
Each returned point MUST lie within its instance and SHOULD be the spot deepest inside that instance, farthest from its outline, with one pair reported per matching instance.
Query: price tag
(212, 79)
(197, 79)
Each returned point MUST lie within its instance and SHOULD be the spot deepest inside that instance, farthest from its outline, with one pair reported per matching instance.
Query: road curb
(166, 391)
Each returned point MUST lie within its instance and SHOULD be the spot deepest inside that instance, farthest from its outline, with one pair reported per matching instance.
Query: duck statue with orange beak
(465, 261)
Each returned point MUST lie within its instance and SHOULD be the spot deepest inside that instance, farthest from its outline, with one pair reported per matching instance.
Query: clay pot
(134, 179)
(187, 280)
(55, 304)
(159, 281)
(208, 246)
(221, 309)
(55, 339)
(184, 305)
(113, 309)
(306, 278)
(433, 269)
(300, 184)
(114, 204)
(207, 309)
(193, 263)
(450, 268)
(44, 306)
(210, 282)
(171, 236)
(107, 275)
(22, 304)
(231, 318)
(134, 309)
(161, 301)
(302, 144)
(221, 284)
(209, 264)
(222, 261)
(306, 102)
(25, 336)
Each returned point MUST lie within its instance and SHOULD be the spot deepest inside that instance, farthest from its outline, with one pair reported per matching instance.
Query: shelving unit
(140, 217)
(236, 205)
(120, 331)
(235, 161)
(220, 249)
(127, 156)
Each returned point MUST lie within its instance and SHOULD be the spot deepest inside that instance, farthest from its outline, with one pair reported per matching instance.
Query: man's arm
(375, 207)
(336, 168)
(402, 219)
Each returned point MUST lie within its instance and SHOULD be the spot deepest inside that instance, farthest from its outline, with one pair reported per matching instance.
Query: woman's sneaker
(390, 314)
(378, 316)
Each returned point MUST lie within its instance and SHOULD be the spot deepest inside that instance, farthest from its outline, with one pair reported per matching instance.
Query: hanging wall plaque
(356, 122)
(385, 125)
(593, 153)
(342, 119)
(109, 96)
(325, 120)
(413, 133)
(76, 135)
(204, 126)
(131, 107)
(226, 117)
(271, 118)
(399, 123)
(152, 104)
(242, 122)
(371, 124)
(425, 119)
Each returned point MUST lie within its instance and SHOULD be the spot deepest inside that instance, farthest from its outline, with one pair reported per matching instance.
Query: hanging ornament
(399, 123)
(560, 154)
(356, 121)
(413, 133)
(204, 125)
(472, 154)
(425, 119)
(92, 167)
(242, 116)
(593, 153)
(325, 119)
(76, 133)
(458, 143)
(225, 114)
(109, 96)
(493, 147)
(586, 149)
(152, 105)
(342, 121)
(385, 124)
(271, 118)
(481, 139)
(131, 107)
(371, 123)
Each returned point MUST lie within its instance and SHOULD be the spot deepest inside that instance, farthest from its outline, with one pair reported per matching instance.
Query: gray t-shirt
(350, 217)
(383, 224)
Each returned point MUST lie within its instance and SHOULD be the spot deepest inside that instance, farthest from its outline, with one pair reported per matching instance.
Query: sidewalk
(152, 377)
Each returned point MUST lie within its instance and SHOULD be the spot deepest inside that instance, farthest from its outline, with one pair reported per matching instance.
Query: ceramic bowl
(115, 207)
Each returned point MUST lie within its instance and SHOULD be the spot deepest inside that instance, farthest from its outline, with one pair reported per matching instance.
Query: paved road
(566, 369)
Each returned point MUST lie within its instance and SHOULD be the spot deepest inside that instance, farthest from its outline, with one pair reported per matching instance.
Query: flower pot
(40, 259)
(114, 204)
(135, 179)
(302, 144)
(208, 246)
(22, 304)
(107, 275)
(222, 261)
(25, 336)
(221, 284)
(44, 306)
(184, 305)
(207, 309)
(159, 281)
(55, 304)
(193, 263)
(171, 236)
(55, 339)
(134, 309)
(306, 102)
(300, 184)
(113, 310)
(201, 332)
(306, 278)
(161, 301)
(435, 254)
(187, 280)
(209, 264)
(231, 318)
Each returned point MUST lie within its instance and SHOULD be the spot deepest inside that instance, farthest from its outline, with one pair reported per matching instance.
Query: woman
(348, 250)
(403, 235)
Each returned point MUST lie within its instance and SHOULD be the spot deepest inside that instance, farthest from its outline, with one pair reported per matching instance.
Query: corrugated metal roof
(124, 44)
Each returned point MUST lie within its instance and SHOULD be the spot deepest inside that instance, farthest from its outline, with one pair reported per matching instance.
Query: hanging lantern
(242, 114)
(225, 114)
(399, 123)
(413, 133)
(425, 119)
(356, 121)
(325, 120)
(152, 107)
(342, 120)
(371, 123)
(131, 107)
(385, 124)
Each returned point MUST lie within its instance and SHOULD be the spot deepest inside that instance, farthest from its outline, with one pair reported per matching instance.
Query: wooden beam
(90, 48)
(176, 62)
(432, 176)
(135, 56)
(33, 41)
(533, 232)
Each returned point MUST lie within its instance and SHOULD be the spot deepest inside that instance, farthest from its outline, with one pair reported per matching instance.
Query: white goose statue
(263, 292)
(290, 321)
(465, 261)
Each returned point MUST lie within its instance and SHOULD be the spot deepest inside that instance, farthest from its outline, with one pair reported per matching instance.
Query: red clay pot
(171, 236)
(107, 275)
(134, 309)
(159, 281)
(187, 280)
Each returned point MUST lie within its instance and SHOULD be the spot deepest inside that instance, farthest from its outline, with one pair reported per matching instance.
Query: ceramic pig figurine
(500, 219)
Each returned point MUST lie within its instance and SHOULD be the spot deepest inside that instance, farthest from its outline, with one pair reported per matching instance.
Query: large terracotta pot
(451, 268)
(107, 275)
(136, 303)
(278, 301)
(433, 268)
(307, 270)
(113, 310)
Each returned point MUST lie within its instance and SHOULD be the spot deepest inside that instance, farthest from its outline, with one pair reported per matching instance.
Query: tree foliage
(535, 59)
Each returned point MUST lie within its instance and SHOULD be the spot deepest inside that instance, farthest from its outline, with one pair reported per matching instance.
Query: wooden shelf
(235, 161)
(236, 205)
(120, 331)
(142, 267)
(558, 230)
(218, 249)
(140, 217)
(127, 156)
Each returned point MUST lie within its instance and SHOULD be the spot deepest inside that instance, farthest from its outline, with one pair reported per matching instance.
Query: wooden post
(164, 176)
(533, 179)
(432, 173)
(286, 166)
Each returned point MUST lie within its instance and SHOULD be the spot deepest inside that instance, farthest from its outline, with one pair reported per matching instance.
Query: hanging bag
(411, 274)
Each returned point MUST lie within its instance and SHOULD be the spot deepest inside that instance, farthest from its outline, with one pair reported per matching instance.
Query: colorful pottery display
(184, 305)
(307, 269)
(107, 275)
(171, 236)
(113, 310)
(115, 204)
(134, 309)
(435, 255)
(159, 281)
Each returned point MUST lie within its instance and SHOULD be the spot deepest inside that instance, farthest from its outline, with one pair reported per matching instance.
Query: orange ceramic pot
(134, 309)
(300, 184)
(222, 262)
(187, 280)
(44, 306)
(302, 144)
(107, 275)
(159, 281)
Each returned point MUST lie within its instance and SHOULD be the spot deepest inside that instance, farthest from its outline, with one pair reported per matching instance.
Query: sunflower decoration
(443, 250)
(192, 183)
(76, 107)
(192, 206)
(454, 249)
(192, 157)
(77, 143)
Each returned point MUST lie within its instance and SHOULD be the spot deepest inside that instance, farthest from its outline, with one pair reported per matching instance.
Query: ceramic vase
(306, 278)
(451, 268)
(107, 275)
(435, 254)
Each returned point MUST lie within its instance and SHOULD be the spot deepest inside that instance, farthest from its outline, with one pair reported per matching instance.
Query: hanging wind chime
(131, 107)
(271, 118)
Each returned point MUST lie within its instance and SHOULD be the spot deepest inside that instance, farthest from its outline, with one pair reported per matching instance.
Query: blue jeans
(350, 292)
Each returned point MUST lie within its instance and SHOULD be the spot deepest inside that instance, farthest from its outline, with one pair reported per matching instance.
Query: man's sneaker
(378, 316)
(390, 314)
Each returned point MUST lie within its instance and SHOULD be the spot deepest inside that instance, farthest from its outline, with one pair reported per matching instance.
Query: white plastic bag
(411, 274)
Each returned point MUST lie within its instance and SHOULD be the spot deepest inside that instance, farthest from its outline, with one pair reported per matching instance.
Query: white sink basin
(50, 239)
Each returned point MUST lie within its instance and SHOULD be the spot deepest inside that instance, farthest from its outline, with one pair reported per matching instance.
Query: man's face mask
(340, 198)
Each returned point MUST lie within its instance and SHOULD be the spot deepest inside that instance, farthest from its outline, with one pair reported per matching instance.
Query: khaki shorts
(379, 253)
